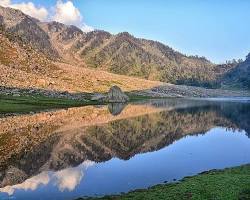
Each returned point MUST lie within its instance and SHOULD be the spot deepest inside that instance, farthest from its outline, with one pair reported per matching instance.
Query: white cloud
(64, 12)
(28, 8)
(4, 3)
(67, 13)
(85, 28)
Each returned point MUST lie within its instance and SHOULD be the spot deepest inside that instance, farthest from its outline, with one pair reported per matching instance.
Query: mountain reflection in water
(67, 150)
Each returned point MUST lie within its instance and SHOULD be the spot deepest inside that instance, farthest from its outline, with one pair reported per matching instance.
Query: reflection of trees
(122, 138)
(239, 114)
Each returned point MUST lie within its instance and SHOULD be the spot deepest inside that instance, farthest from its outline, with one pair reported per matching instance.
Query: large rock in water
(116, 95)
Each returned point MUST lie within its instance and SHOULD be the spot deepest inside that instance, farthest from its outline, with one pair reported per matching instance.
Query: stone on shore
(116, 95)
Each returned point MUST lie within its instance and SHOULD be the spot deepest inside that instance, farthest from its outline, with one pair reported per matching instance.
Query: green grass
(135, 97)
(228, 184)
(26, 103)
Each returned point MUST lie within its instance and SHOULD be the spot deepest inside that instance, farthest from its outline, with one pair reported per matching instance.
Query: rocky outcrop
(116, 95)
(47, 93)
(26, 31)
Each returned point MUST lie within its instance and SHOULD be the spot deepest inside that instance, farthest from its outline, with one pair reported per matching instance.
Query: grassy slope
(228, 184)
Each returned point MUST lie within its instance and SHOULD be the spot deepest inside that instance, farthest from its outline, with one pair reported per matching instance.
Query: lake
(99, 150)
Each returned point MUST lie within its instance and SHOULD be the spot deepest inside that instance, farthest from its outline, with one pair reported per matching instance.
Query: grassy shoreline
(22, 104)
(228, 184)
(26, 103)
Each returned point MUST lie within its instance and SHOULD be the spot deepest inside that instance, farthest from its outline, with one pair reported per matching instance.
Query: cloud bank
(64, 12)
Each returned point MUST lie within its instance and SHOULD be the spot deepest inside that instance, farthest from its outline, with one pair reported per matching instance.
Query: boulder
(116, 95)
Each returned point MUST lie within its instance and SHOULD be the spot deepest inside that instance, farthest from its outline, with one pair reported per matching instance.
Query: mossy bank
(228, 184)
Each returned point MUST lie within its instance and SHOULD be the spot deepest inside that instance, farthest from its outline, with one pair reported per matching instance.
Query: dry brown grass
(24, 67)
(71, 78)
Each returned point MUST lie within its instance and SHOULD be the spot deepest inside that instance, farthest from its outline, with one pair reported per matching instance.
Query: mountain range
(33, 49)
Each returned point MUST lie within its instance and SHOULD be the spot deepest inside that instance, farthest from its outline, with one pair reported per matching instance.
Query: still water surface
(90, 151)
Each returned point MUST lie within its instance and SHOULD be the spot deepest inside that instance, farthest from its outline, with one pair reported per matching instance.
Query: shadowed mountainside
(239, 77)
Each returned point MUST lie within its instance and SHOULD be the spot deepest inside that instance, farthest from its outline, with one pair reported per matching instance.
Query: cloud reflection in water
(66, 179)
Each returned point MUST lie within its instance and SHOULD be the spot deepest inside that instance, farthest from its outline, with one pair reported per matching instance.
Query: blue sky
(216, 29)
